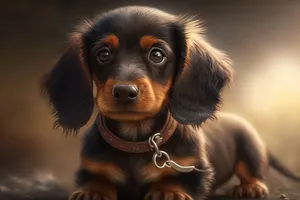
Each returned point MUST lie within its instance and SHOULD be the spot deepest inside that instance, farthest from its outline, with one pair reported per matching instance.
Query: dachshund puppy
(154, 73)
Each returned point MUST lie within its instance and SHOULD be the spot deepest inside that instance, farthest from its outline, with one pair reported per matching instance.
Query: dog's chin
(128, 115)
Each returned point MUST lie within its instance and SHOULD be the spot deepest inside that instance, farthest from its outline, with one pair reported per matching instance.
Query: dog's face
(132, 62)
(140, 59)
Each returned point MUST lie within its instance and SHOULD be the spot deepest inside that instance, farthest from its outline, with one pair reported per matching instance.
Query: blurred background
(262, 38)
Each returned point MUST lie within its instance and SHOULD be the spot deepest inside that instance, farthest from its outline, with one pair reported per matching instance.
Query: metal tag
(179, 168)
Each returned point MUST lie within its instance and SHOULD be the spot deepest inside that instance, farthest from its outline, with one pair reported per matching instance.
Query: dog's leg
(250, 186)
(250, 169)
(167, 190)
(95, 190)
(252, 164)
(97, 180)
(184, 186)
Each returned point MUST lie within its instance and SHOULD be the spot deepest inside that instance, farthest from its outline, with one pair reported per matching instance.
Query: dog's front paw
(254, 190)
(167, 195)
(87, 195)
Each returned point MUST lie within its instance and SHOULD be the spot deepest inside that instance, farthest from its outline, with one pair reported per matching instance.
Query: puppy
(157, 82)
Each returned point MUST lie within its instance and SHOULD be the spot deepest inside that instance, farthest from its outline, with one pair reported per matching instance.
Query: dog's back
(235, 147)
(230, 140)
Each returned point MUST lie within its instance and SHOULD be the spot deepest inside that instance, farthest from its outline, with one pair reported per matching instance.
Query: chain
(159, 154)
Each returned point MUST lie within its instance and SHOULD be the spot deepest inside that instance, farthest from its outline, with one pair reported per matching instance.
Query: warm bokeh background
(262, 38)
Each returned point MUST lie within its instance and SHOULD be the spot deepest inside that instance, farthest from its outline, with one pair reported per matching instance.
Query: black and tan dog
(154, 73)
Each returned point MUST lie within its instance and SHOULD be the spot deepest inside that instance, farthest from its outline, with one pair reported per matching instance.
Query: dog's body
(235, 148)
(134, 173)
(154, 72)
(227, 146)
(232, 142)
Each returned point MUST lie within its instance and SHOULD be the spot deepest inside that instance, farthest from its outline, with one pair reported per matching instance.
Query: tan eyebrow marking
(112, 40)
(147, 41)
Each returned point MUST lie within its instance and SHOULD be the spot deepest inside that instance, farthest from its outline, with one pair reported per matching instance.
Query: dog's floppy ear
(202, 73)
(69, 88)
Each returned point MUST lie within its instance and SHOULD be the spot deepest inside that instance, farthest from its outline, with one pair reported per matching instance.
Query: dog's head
(141, 59)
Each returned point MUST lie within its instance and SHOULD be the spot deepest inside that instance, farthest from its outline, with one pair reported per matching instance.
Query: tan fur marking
(106, 169)
(112, 40)
(243, 173)
(148, 41)
(151, 98)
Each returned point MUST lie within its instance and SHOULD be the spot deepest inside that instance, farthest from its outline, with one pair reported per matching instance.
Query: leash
(168, 162)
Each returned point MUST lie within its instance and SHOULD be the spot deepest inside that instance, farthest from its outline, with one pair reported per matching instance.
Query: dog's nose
(125, 94)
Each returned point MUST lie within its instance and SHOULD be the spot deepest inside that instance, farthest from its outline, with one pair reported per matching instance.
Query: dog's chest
(138, 168)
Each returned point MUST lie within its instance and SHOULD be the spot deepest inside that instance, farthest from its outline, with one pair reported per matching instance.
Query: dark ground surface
(289, 195)
(280, 189)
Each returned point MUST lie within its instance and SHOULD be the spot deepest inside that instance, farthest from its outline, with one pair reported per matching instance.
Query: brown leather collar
(134, 147)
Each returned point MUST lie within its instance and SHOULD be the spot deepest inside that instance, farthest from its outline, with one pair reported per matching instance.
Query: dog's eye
(104, 55)
(157, 55)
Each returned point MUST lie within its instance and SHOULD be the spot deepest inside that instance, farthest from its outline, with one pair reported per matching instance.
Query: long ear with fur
(69, 88)
(201, 75)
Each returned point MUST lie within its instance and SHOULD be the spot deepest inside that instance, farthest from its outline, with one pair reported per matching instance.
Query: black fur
(198, 73)
(70, 91)
(196, 184)
(195, 95)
